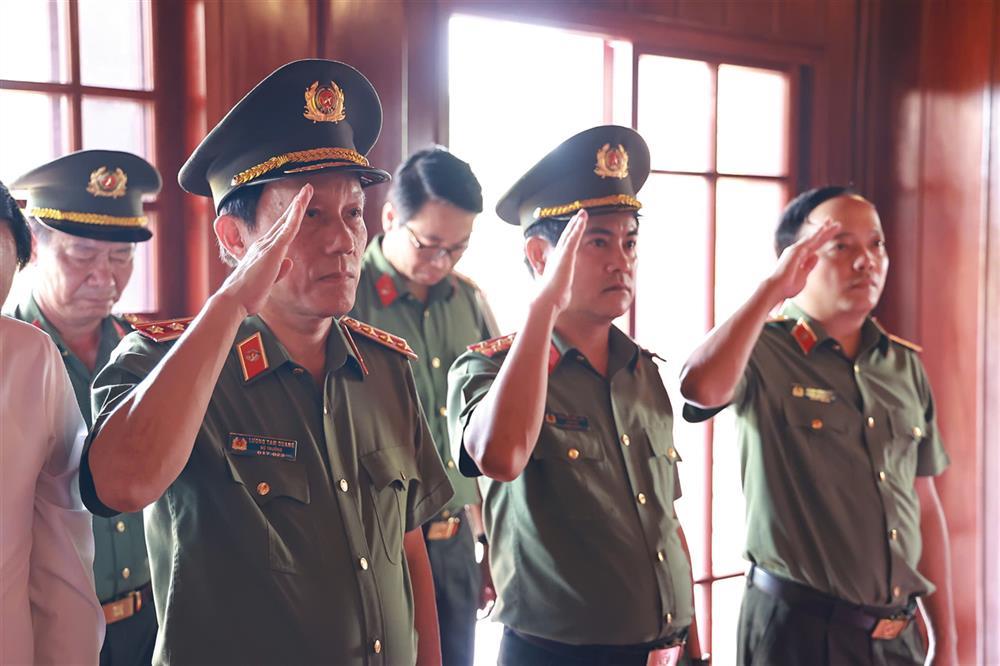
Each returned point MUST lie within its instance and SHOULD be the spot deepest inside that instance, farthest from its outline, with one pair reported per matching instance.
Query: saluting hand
(265, 262)
(557, 279)
(799, 259)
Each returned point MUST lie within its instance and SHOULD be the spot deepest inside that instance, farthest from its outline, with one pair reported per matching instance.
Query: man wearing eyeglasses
(409, 287)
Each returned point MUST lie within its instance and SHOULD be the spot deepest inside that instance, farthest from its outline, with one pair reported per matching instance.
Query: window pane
(675, 112)
(515, 93)
(118, 124)
(140, 293)
(621, 83)
(727, 595)
(33, 130)
(747, 213)
(33, 47)
(672, 316)
(115, 44)
(728, 505)
(753, 121)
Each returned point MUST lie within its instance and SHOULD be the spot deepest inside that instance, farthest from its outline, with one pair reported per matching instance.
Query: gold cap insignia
(324, 104)
(104, 183)
(612, 162)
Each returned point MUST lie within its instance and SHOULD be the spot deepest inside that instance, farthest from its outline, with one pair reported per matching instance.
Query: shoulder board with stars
(164, 330)
(389, 340)
(493, 346)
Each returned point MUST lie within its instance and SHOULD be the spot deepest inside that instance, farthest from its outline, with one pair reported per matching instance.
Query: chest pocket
(663, 458)
(281, 490)
(909, 428)
(563, 475)
(821, 419)
(391, 471)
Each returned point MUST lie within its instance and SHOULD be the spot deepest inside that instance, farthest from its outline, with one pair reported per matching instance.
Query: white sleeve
(67, 619)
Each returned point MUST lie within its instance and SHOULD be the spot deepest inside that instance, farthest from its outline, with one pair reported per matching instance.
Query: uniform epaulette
(776, 319)
(493, 346)
(466, 279)
(164, 330)
(391, 341)
(906, 343)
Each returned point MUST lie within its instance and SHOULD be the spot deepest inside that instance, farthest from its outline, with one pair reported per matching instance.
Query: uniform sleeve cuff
(88, 492)
(431, 505)
(694, 414)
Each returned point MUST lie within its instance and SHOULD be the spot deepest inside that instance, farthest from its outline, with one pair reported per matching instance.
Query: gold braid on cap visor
(88, 218)
(313, 155)
(566, 209)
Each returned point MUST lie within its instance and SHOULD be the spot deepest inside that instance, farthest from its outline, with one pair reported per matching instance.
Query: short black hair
(551, 229)
(434, 174)
(241, 204)
(798, 210)
(10, 211)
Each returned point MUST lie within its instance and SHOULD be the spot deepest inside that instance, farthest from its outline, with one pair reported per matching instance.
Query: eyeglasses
(434, 252)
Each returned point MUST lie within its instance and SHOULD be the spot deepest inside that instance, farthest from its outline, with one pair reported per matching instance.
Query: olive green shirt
(830, 449)
(120, 560)
(282, 539)
(585, 544)
(455, 316)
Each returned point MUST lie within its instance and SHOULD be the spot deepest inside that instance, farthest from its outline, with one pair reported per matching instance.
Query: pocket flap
(661, 443)
(385, 466)
(815, 416)
(908, 424)
(266, 479)
(554, 444)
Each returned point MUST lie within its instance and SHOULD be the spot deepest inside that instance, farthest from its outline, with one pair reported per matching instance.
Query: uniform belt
(602, 653)
(128, 605)
(444, 526)
(880, 623)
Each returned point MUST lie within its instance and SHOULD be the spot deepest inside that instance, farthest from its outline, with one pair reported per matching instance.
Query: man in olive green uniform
(571, 425)
(408, 287)
(86, 214)
(839, 448)
(284, 452)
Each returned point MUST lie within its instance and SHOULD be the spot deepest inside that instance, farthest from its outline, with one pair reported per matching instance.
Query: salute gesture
(557, 278)
(799, 259)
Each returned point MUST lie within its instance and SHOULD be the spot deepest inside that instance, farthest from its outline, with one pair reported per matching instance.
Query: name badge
(260, 445)
(825, 396)
(567, 421)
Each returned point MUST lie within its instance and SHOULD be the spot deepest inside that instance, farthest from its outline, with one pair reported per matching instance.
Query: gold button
(894, 534)
(402, 475)
(120, 526)
(917, 432)
(446, 514)
(660, 556)
(897, 591)
(857, 369)
(343, 485)
(451, 464)
(435, 362)
(377, 646)
(871, 421)
(263, 487)
(817, 424)
(881, 476)
(669, 617)
(641, 497)
(364, 563)
(573, 454)
(625, 440)
(65, 353)
(326, 410)
(297, 371)
(126, 572)
(443, 411)
(672, 453)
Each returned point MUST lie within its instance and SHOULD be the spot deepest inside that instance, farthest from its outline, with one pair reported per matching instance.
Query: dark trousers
(517, 651)
(773, 633)
(456, 589)
(130, 642)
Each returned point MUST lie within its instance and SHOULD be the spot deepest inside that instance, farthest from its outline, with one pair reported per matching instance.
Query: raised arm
(711, 374)
(144, 444)
(503, 430)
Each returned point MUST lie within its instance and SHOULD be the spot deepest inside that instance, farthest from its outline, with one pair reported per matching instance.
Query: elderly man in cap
(48, 611)
(85, 210)
(284, 451)
(571, 425)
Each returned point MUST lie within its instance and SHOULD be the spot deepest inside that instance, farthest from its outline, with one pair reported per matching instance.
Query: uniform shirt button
(344, 485)
(65, 353)
(626, 440)
(297, 371)
(427, 314)
(120, 526)
(326, 410)
(669, 617)
(364, 563)
(817, 424)
(871, 421)
(641, 497)
(894, 534)
(660, 556)
(126, 572)
(881, 475)
(573, 454)
(443, 411)
(672, 453)
(377, 646)
(451, 464)
(897, 591)
(263, 488)
(435, 362)
(857, 369)
(917, 432)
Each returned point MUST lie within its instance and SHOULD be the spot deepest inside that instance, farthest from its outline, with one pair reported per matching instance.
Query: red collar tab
(253, 358)
(804, 335)
(386, 288)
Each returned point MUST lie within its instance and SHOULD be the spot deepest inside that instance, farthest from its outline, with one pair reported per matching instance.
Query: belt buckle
(889, 628)
(665, 656)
